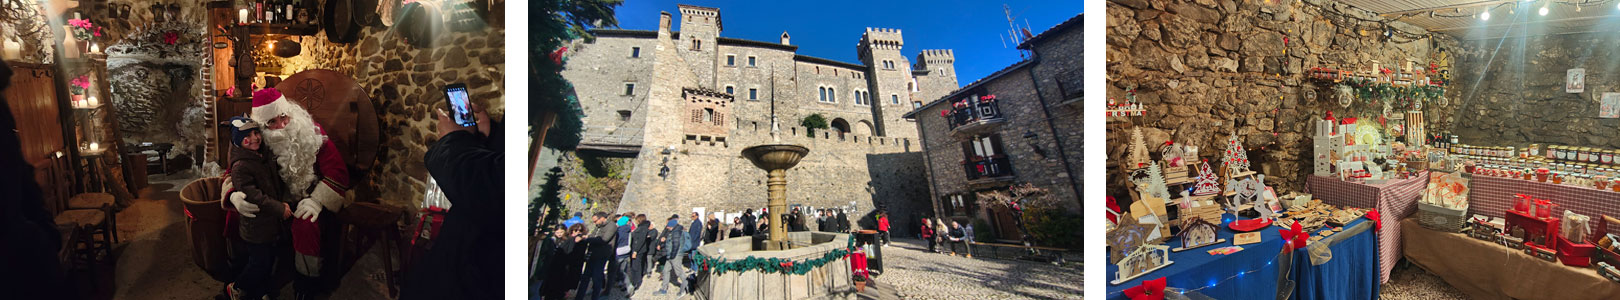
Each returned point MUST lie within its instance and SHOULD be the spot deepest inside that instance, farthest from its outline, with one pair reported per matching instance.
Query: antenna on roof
(1013, 30)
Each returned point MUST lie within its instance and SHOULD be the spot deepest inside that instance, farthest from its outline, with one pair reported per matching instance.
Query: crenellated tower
(935, 75)
(889, 76)
(700, 27)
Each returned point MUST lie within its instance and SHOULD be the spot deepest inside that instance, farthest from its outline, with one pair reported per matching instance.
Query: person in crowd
(600, 252)
(883, 226)
(927, 233)
(713, 230)
(641, 244)
(620, 267)
(578, 218)
(738, 229)
(563, 266)
(967, 236)
(255, 178)
(942, 232)
(958, 238)
(466, 259)
(748, 225)
(843, 221)
(694, 231)
(28, 229)
(671, 246)
(797, 221)
(823, 222)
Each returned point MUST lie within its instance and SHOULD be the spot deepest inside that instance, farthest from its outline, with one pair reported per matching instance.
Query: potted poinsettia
(860, 283)
(78, 87)
(85, 31)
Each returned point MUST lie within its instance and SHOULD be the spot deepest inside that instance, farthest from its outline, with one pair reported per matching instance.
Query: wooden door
(33, 102)
(1006, 224)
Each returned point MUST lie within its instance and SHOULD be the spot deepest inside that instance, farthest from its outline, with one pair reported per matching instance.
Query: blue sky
(831, 29)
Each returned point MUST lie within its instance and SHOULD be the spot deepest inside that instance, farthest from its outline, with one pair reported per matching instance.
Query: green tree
(555, 116)
(813, 122)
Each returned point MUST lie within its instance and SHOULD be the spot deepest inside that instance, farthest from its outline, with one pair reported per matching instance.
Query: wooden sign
(1246, 238)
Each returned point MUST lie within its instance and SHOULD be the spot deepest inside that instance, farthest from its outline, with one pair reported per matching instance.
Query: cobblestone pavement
(914, 273)
(1410, 282)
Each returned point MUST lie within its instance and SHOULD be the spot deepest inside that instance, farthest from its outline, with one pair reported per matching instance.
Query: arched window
(832, 95)
(823, 94)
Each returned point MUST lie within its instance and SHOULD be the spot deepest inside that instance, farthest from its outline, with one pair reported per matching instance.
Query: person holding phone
(466, 260)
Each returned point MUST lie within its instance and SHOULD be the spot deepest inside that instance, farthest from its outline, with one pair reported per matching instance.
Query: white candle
(242, 16)
(95, 48)
(93, 101)
(13, 50)
(94, 146)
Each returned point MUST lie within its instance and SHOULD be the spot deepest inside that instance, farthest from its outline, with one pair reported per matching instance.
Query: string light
(1543, 10)
(1485, 16)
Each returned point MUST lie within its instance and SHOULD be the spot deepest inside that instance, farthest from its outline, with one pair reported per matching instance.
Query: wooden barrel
(205, 225)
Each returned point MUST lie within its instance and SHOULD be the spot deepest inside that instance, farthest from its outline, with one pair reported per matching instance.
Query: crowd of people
(614, 252)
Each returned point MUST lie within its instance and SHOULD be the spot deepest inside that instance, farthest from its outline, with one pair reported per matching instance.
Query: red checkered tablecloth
(1493, 196)
(1394, 199)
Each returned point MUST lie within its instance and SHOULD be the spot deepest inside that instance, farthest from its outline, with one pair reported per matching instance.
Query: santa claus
(316, 177)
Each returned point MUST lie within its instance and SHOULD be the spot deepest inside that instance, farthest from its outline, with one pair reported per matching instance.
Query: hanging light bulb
(1485, 16)
(1543, 10)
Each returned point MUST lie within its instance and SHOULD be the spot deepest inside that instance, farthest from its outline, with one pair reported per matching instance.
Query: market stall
(1394, 200)
(1488, 270)
(1347, 271)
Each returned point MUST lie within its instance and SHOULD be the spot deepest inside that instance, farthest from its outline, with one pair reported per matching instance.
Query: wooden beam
(1521, 23)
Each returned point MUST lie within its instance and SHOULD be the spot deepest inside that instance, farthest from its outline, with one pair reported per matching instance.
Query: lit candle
(241, 16)
(95, 48)
(94, 146)
(93, 102)
(13, 50)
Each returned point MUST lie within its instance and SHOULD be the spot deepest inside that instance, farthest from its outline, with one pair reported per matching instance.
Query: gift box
(1604, 250)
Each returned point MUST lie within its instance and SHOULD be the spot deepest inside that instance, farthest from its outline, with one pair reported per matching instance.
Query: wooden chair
(98, 201)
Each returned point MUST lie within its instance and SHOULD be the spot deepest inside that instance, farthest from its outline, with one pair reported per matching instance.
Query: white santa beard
(296, 147)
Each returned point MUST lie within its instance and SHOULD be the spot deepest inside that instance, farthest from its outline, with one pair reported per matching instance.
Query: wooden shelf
(282, 29)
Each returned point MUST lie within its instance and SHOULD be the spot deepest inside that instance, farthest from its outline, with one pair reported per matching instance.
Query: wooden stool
(98, 201)
(90, 222)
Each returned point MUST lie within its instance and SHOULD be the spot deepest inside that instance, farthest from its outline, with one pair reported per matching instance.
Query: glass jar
(1532, 151)
(1594, 155)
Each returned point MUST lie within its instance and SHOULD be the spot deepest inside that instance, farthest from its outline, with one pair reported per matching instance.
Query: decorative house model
(1200, 208)
(1143, 260)
(1198, 233)
(1329, 147)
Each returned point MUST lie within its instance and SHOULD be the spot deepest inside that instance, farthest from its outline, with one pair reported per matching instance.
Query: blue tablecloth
(1253, 273)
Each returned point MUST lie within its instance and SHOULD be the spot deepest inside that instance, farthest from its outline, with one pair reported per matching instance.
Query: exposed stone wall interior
(1514, 95)
(406, 84)
(1208, 69)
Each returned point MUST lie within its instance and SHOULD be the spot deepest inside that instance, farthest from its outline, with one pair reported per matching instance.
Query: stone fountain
(830, 281)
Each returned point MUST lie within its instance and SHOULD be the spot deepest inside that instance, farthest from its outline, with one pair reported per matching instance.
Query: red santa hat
(268, 103)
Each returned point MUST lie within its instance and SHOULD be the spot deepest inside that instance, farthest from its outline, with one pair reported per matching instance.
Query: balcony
(991, 170)
(969, 119)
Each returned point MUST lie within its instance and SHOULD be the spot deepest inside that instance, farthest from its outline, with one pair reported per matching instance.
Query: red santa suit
(314, 170)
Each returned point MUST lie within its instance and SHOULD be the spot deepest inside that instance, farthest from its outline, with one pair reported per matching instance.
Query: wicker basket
(1440, 218)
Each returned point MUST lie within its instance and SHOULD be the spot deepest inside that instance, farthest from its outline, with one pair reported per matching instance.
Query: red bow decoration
(1113, 210)
(170, 37)
(556, 56)
(1295, 236)
(1149, 290)
(1378, 222)
(787, 265)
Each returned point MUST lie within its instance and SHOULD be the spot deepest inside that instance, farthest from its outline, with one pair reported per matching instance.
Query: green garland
(773, 265)
(1402, 96)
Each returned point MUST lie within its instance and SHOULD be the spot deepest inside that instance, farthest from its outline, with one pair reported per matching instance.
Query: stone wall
(1513, 92)
(1208, 69)
(406, 84)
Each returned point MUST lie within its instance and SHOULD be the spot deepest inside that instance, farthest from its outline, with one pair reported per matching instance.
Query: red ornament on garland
(1295, 236)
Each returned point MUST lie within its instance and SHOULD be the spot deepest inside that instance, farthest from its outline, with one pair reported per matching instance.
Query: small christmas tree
(1208, 183)
(1237, 158)
(1138, 157)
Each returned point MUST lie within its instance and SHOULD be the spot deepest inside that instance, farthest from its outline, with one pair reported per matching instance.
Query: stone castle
(684, 104)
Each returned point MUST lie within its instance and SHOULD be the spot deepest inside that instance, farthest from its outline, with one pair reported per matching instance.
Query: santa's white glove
(308, 209)
(239, 200)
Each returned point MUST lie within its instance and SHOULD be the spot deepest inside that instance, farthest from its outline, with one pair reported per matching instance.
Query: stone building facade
(685, 103)
(1207, 70)
(1019, 125)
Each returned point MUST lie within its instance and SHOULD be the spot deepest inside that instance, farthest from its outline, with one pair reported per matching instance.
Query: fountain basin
(830, 281)
(775, 156)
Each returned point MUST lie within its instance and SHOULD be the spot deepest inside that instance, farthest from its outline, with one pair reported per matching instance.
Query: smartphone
(460, 108)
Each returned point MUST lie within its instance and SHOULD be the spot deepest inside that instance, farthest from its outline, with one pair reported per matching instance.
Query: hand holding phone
(461, 110)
